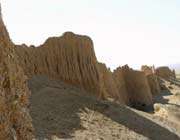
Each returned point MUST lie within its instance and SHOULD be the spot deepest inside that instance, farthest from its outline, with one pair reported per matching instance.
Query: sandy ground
(168, 104)
(61, 111)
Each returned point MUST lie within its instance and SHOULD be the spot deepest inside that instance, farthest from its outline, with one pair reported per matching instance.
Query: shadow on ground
(55, 110)
(160, 97)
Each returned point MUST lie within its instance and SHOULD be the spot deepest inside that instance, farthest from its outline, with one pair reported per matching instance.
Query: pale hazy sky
(133, 32)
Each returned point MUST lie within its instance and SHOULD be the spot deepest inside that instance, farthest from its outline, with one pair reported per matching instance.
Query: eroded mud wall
(15, 121)
(138, 91)
(70, 58)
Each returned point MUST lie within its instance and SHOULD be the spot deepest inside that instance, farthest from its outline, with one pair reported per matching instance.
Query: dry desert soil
(61, 111)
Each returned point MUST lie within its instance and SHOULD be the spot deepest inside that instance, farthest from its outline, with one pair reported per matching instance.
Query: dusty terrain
(94, 105)
(61, 111)
(168, 102)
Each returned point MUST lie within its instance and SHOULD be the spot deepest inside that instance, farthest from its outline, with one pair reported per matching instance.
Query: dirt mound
(15, 122)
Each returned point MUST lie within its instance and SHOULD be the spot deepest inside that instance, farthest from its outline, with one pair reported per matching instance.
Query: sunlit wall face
(124, 31)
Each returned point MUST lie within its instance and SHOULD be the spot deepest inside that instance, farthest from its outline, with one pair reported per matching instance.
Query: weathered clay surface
(154, 84)
(121, 84)
(15, 121)
(110, 86)
(165, 72)
(148, 70)
(70, 58)
(152, 79)
(138, 91)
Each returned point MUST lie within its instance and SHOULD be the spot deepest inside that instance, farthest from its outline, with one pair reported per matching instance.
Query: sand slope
(61, 111)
